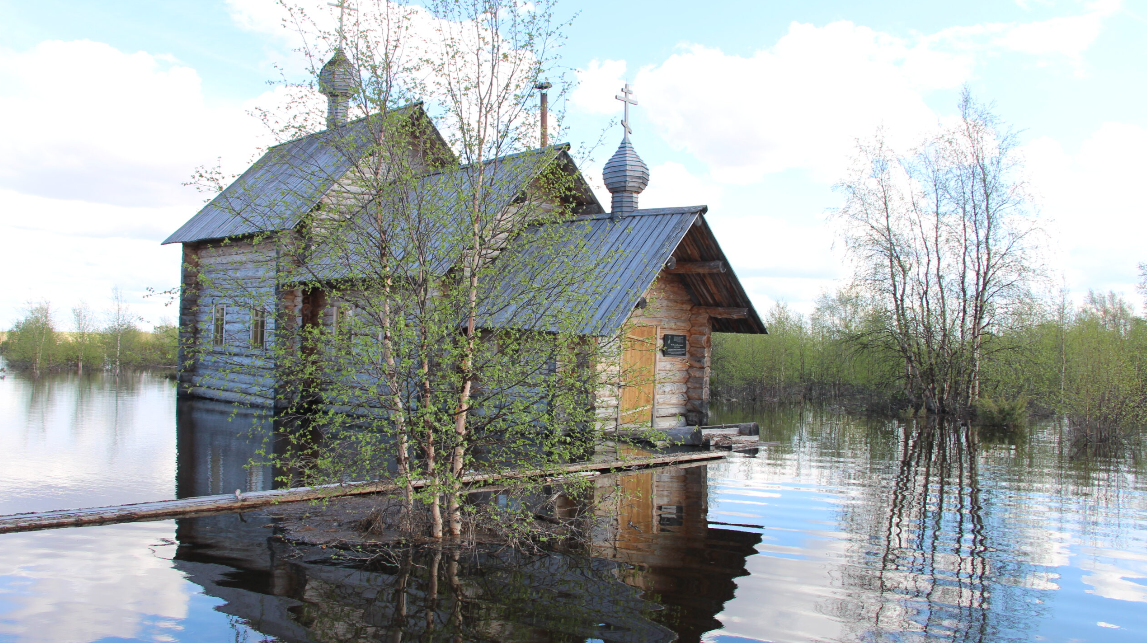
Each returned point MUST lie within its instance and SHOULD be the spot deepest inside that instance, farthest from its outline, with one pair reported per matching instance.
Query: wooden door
(638, 367)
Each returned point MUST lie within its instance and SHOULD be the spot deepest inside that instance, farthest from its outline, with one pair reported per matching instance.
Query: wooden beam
(163, 509)
(697, 267)
(721, 312)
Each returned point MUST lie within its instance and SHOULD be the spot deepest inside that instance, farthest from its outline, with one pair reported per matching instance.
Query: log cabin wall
(189, 331)
(240, 276)
(681, 391)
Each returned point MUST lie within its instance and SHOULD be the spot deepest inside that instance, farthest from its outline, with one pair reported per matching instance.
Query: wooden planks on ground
(164, 509)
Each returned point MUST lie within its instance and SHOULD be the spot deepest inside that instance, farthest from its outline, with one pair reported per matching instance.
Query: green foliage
(1087, 365)
(33, 341)
(409, 335)
(37, 343)
(828, 354)
(1008, 414)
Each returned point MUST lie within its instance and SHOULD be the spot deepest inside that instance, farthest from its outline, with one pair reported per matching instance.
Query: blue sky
(752, 108)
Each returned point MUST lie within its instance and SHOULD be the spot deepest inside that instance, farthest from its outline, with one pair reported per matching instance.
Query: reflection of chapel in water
(660, 528)
(658, 572)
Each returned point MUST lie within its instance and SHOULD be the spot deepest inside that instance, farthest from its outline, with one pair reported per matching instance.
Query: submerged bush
(1002, 413)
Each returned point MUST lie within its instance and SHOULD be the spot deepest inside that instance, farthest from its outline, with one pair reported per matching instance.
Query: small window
(343, 320)
(258, 328)
(218, 326)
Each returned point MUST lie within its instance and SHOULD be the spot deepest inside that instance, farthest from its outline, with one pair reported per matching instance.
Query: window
(218, 326)
(343, 320)
(258, 328)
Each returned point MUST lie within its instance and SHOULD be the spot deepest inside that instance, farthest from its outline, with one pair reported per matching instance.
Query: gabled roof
(593, 270)
(289, 180)
(437, 211)
(717, 289)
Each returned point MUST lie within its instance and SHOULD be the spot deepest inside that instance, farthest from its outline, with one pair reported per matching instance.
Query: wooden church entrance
(638, 366)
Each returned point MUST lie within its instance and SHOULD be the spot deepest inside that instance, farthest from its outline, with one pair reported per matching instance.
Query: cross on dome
(627, 100)
(625, 174)
(343, 7)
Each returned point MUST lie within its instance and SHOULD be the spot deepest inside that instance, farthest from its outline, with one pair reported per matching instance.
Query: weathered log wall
(240, 276)
(681, 394)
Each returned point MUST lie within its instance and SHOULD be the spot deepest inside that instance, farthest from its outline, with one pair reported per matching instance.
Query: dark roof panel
(590, 271)
(437, 210)
(281, 187)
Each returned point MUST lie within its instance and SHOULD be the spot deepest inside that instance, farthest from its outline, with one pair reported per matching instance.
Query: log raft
(185, 507)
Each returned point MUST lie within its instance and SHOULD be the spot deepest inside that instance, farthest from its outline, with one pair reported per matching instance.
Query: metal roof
(588, 272)
(285, 183)
(432, 220)
(586, 275)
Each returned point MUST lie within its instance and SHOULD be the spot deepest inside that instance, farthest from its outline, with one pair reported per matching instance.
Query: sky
(753, 108)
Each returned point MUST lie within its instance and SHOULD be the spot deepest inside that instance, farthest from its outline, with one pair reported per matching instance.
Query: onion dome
(626, 175)
(338, 80)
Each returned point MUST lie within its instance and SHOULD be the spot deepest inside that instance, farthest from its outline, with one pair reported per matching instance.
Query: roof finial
(343, 7)
(627, 100)
(625, 174)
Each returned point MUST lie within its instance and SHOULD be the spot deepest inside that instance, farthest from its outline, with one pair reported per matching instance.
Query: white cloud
(803, 102)
(597, 86)
(1062, 37)
(94, 146)
(672, 184)
(1088, 195)
(84, 120)
(800, 104)
(1068, 36)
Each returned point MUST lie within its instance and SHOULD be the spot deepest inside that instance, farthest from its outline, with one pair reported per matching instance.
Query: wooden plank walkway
(164, 509)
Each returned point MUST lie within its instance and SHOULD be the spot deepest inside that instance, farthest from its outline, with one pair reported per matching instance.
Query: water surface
(845, 529)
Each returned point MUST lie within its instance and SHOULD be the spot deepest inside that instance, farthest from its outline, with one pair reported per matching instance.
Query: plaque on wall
(673, 346)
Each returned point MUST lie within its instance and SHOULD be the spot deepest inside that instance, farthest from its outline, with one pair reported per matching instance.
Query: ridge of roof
(348, 124)
(560, 147)
(649, 212)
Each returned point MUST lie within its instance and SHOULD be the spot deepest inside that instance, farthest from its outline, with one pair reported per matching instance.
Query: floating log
(743, 428)
(680, 435)
(164, 509)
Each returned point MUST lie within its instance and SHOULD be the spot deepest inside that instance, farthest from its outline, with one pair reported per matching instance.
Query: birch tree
(942, 239)
(394, 369)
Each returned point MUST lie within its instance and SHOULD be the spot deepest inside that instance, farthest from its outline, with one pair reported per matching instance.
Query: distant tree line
(46, 339)
(1088, 363)
(942, 313)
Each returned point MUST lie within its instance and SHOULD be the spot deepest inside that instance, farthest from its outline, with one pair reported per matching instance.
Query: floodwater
(840, 529)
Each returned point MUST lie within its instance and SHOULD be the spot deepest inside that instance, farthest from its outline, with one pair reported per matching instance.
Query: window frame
(258, 329)
(219, 326)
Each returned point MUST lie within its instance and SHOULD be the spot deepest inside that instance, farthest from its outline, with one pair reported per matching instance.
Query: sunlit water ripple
(864, 530)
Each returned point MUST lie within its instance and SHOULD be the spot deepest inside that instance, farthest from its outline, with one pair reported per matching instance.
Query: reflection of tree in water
(474, 596)
(660, 574)
(410, 594)
(927, 565)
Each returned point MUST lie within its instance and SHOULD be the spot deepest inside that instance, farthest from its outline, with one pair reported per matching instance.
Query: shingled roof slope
(590, 271)
(285, 183)
(436, 209)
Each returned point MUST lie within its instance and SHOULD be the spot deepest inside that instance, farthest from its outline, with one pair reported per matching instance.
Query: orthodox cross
(343, 7)
(627, 100)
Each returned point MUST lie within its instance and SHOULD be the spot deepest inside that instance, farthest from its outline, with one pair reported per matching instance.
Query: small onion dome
(338, 80)
(626, 175)
(337, 77)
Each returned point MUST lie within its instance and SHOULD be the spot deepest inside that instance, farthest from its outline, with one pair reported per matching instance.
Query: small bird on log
(237, 494)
